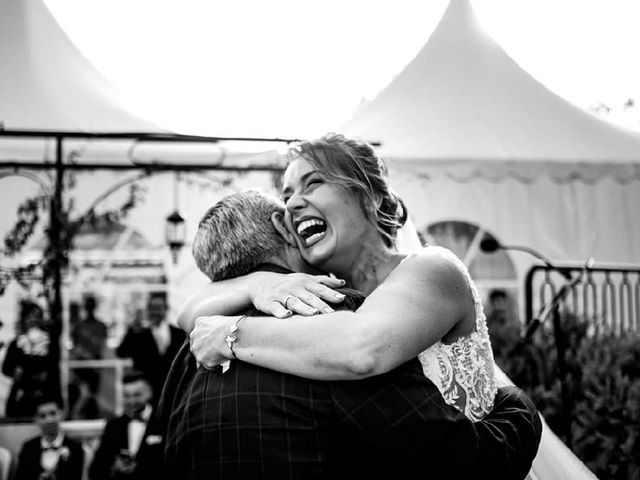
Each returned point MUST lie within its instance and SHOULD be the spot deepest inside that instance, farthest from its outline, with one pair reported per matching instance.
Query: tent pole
(55, 268)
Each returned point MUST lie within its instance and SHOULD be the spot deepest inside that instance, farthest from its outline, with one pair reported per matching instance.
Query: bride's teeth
(314, 236)
(308, 223)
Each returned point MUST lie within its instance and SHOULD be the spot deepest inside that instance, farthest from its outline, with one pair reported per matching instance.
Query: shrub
(603, 381)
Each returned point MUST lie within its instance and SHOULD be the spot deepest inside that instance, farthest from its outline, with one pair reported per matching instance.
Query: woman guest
(344, 218)
(27, 362)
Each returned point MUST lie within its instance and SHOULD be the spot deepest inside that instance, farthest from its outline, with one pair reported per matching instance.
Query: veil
(407, 239)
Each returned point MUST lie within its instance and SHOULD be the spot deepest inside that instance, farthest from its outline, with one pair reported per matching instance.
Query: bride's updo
(355, 165)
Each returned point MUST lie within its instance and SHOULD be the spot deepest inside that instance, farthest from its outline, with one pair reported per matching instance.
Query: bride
(344, 219)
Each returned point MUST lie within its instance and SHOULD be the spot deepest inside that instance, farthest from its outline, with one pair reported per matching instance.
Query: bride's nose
(296, 202)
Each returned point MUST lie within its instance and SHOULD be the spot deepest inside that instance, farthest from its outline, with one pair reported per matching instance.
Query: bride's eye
(314, 181)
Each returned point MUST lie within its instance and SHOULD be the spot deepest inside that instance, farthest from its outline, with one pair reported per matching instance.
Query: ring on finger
(286, 299)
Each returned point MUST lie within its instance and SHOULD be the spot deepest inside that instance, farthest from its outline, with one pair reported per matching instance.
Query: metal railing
(606, 295)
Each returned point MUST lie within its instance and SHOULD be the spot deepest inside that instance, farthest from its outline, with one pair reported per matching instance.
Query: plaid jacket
(252, 422)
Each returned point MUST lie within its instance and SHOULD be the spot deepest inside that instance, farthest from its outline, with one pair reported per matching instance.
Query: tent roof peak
(463, 96)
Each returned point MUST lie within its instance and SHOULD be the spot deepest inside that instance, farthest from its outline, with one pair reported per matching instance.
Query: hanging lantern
(175, 228)
(175, 234)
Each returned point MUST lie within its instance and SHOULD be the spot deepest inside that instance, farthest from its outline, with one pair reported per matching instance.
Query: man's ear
(277, 219)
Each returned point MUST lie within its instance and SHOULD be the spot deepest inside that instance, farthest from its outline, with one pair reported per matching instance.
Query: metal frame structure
(60, 167)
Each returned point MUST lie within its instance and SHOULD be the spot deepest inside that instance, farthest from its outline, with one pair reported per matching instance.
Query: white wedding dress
(463, 370)
(554, 461)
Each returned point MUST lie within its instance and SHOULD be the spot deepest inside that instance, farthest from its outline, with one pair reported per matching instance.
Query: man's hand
(123, 464)
(297, 293)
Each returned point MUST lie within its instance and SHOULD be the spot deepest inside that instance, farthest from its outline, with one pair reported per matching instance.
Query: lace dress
(463, 370)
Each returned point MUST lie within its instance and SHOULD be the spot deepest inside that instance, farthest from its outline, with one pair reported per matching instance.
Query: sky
(300, 68)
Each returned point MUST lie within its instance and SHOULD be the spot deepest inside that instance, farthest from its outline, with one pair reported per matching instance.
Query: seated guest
(50, 455)
(129, 447)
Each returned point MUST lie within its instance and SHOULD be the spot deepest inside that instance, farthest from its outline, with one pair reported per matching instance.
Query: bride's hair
(355, 165)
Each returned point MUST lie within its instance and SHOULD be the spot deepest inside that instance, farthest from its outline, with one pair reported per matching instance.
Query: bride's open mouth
(311, 230)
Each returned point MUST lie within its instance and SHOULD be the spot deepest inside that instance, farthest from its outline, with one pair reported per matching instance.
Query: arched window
(491, 272)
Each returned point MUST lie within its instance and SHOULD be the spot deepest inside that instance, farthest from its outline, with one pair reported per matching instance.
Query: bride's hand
(207, 340)
(297, 293)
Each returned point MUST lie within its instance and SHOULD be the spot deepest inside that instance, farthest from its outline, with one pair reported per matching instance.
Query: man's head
(239, 233)
(31, 315)
(48, 415)
(90, 305)
(137, 393)
(157, 308)
(498, 300)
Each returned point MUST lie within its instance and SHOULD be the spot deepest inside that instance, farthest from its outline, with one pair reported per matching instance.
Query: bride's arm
(266, 291)
(423, 300)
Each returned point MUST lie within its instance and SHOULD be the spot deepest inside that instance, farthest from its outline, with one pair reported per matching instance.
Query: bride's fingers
(331, 282)
(312, 302)
(305, 304)
(325, 293)
(276, 309)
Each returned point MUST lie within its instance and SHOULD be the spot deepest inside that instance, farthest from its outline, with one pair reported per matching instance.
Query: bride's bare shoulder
(435, 258)
(436, 266)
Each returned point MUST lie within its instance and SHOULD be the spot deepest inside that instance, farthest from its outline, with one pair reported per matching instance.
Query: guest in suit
(51, 455)
(130, 448)
(152, 344)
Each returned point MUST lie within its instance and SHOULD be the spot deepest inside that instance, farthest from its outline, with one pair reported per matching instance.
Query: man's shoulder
(31, 442)
(177, 331)
(138, 332)
(353, 299)
(116, 421)
(98, 326)
(72, 443)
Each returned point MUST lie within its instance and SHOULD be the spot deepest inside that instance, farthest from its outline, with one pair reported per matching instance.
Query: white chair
(5, 463)
(88, 458)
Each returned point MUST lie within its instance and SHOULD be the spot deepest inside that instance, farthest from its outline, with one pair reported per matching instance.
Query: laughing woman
(343, 217)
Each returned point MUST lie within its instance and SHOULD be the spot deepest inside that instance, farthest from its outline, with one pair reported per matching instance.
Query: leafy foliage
(603, 377)
(30, 213)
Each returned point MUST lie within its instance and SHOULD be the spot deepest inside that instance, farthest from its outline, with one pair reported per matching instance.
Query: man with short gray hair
(237, 234)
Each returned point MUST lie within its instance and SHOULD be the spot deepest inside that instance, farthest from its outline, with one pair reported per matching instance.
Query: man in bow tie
(129, 447)
(51, 455)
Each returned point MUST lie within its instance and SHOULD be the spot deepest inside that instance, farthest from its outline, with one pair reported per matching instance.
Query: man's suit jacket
(252, 422)
(115, 439)
(67, 469)
(141, 347)
(399, 424)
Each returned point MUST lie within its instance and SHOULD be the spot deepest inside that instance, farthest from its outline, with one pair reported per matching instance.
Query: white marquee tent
(48, 84)
(469, 135)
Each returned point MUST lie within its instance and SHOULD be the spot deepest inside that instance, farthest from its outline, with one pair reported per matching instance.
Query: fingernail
(328, 310)
(339, 295)
(342, 282)
(313, 311)
(287, 313)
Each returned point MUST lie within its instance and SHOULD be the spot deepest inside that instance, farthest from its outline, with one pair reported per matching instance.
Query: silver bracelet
(232, 338)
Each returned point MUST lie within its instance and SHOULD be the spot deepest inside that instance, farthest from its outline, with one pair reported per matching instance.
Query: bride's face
(325, 218)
